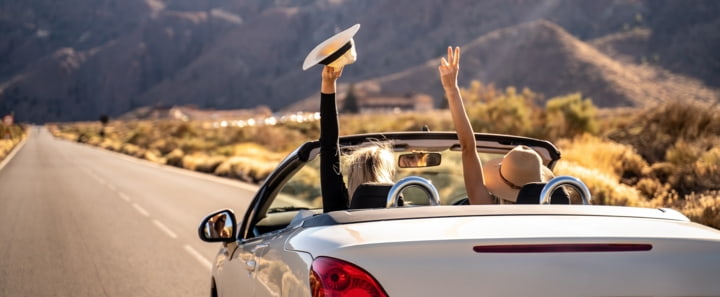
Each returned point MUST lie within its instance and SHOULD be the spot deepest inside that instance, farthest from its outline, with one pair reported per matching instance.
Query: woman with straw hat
(500, 180)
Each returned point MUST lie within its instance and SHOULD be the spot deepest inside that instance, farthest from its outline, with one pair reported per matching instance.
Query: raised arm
(472, 168)
(334, 191)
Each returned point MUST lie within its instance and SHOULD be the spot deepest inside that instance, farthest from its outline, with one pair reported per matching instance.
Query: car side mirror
(220, 226)
(419, 159)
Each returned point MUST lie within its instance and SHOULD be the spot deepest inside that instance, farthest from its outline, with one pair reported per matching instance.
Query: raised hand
(329, 77)
(331, 73)
(449, 68)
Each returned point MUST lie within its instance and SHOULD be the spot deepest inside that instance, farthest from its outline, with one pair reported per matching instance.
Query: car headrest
(370, 195)
(530, 194)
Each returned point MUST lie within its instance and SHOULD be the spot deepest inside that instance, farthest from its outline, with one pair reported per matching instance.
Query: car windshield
(302, 191)
(447, 177)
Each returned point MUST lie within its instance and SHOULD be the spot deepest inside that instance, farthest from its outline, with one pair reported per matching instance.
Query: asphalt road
(80, 221)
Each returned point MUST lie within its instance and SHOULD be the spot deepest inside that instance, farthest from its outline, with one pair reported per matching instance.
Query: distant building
(392, 104)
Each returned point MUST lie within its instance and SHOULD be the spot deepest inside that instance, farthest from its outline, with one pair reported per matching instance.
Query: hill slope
(545, 58)
(78, 59)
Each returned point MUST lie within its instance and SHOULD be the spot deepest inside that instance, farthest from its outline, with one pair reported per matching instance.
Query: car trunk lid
(559, 254)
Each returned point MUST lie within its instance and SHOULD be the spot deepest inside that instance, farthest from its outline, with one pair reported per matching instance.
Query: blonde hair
(370, 164)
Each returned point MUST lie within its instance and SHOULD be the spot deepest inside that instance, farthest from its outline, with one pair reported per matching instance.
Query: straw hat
(339, 48)
(504, 177)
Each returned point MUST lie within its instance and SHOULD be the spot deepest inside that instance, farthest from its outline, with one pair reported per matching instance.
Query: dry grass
(665, 156)
(6, 145)
(438, 120)
(248, 154)
(10, 136)
(702, 208)
(603, 165)
(617, 174)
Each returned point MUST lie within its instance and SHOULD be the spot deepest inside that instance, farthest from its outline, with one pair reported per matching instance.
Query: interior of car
(437, 161)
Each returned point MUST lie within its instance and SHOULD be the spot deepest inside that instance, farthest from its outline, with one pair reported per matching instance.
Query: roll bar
(553, 184)
(412, 181)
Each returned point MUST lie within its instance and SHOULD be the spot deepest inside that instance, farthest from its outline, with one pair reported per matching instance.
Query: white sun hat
(336, 51)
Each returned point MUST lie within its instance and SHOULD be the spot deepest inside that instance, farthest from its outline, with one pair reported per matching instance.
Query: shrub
(202, 162)
(175, 158)
(247, 169)
(182, 130)
(664, 156)
(132, 150)
(164, 146)
(570, 115)
(703, 208)
(6, 145)
(110, 144)
(680, 141)
(10, 136)
(619, 161)
(655, 130)
(8, 132)
(606, 190)
(154, 156)
(510, 112)
(509, 115)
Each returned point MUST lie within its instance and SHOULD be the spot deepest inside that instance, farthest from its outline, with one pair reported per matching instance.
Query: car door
(256, 267)
(282, 272)
(239, 271)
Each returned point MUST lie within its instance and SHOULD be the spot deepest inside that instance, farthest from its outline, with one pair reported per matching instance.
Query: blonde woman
(371, 164)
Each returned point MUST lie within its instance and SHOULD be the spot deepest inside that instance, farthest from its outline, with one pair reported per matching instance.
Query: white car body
(463, 250)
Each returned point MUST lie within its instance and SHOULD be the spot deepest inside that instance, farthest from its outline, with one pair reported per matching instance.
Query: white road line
(123, 196)
(99, 180)
(141, 210)
(203, 261)
(94, 176)
(165, 229)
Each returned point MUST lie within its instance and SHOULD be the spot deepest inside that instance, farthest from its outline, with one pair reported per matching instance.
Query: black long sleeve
(334, 192)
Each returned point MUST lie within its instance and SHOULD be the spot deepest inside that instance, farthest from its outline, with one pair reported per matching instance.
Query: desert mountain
(542, 56)
(81, 58)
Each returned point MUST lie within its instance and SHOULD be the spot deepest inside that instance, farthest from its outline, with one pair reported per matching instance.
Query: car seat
(371, 195)
(530, 194)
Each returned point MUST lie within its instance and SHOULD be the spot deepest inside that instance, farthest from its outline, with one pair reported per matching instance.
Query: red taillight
(331, 277)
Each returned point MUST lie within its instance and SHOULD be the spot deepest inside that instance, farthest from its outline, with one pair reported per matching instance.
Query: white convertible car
(433, 244)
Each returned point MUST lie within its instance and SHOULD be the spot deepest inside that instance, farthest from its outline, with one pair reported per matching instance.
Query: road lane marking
(94, 176)
(200, 258)
(102, 181)
(141, 210)
(99, 180)
(165, 229)
(123, 196)
(189, 249)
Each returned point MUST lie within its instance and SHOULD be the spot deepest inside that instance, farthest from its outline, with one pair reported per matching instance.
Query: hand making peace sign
(449, 68)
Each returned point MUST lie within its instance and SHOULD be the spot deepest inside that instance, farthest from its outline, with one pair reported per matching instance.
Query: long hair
(370, 164)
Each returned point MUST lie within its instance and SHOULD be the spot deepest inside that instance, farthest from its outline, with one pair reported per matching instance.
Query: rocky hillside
(544, 57)
(78, 59)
